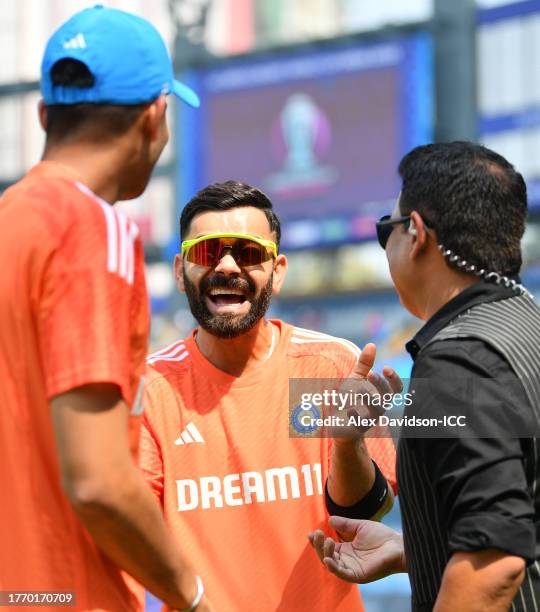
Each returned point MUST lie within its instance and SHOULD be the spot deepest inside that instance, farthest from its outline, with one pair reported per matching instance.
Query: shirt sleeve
(477, 471)
(93, 319)
(150, 459)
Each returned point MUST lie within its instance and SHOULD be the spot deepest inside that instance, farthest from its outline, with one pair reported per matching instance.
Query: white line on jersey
(121, 235)
(169, 351)
(301, 336)
(173, 356)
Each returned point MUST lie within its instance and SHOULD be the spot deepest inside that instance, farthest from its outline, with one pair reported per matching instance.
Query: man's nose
(227, 264)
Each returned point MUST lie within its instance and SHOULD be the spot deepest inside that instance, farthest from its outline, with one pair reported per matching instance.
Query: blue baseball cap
(124, 53)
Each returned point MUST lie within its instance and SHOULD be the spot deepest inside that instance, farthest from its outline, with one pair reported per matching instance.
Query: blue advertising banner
(321, 132)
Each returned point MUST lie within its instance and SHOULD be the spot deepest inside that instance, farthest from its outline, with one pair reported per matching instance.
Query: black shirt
(463, 490)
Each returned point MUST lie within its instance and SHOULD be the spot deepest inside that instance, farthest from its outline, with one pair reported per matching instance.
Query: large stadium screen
(320, 132)
(509, 87)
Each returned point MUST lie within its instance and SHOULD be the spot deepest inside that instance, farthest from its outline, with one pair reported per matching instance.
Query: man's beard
(227, 325)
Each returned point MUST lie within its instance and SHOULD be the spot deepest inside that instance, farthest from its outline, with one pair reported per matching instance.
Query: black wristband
(368, 506)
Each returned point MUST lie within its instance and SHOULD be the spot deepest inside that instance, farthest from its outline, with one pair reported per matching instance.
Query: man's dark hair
(472, 197)
(224, 196)
(98, 122)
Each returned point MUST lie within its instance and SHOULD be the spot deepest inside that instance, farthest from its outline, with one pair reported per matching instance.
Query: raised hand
(371, 550)
(391, 383)
(364, 381)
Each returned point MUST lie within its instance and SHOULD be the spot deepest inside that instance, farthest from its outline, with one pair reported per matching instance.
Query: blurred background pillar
(454, 27)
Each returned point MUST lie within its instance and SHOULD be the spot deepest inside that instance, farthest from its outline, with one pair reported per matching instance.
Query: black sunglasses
(385, 225)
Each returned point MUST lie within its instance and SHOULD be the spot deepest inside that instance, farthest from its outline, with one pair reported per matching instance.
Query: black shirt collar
(479, 293)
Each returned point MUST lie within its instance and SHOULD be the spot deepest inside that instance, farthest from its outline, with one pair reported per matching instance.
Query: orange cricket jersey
(239, 494)
(73, 311)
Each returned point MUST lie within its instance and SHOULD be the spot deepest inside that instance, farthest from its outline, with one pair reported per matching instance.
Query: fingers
(391, 383)
(339, 570)
(328, 548)
(392, 377)
(317, 541)
(363, 369)
(365, 361)
(324, 547)
(379, 383)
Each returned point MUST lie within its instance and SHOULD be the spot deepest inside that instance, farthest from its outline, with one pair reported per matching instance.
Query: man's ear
(42, 114)
(418, 233)
(153, 117)
(280, 272)
(179, 273)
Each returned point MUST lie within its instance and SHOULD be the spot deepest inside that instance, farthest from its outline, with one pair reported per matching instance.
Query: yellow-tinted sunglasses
(246, 250)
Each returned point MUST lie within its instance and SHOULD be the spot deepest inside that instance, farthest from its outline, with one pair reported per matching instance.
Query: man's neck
(97, 169)
(237, 356)
(443, 290)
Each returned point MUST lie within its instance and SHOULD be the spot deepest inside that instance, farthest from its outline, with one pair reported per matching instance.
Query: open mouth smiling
(225, 296)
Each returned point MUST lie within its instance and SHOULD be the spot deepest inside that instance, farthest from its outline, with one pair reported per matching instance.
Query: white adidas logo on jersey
(190, 435)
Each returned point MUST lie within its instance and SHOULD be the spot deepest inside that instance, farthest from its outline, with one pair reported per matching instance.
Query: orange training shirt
(73, 311)
(239, 494)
